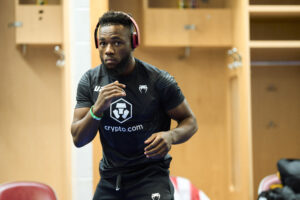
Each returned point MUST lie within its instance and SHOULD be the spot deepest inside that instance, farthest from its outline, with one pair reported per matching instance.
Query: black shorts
(145, 184)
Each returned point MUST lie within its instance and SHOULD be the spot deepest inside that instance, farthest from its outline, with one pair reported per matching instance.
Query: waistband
(119, 173)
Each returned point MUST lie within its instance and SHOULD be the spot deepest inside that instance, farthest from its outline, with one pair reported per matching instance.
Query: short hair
(116, 18)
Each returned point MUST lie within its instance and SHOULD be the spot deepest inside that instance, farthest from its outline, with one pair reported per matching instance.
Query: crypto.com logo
(121, 110)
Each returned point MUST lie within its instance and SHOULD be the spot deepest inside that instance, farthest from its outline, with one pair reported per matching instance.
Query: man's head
(115, 41)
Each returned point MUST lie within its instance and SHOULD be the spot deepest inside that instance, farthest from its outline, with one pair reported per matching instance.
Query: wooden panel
(274, 2)
(33, 140)
(276, 117)
(239, 185)
(175, 4)
(166, 27)
(275, 44)
(234, 135)
(41, 24)
(208, 25)
(274, 11)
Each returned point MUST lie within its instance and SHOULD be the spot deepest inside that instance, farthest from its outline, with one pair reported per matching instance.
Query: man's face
(115, 48)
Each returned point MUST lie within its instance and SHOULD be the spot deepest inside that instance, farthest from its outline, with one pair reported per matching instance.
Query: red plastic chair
(185, 190)
(26, 191)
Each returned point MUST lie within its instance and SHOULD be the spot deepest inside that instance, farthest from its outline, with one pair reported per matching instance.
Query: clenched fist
(106, 95)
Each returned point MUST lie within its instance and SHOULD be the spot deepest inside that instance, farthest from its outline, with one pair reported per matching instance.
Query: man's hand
(159, 144)
(106, 95)
(84, 128)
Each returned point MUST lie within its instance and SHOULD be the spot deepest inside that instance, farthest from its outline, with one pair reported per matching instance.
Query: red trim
(194, 193)
(174, 181)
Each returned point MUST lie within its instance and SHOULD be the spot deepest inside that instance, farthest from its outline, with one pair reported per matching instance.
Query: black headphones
(135, 36)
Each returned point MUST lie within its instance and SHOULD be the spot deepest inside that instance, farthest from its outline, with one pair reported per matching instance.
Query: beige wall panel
(32, 142)
(168, 27)
(276, 117)
(242, 188)
(40, 24)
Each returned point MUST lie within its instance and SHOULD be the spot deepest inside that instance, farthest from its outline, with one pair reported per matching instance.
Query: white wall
(80, 61)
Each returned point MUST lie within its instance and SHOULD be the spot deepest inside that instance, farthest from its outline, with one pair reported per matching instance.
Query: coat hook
(237, 58)
(61, 61)
(187, 53)
(24, 49)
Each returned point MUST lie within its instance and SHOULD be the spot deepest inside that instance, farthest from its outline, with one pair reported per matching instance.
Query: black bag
(289, 170)
(285, 193)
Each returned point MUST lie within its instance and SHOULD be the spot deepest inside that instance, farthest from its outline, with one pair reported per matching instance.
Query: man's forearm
(185, 130)
(84, 130)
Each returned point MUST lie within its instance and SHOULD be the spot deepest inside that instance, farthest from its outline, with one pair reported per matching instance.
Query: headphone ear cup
(134, 40)
(97, 43)
(95, 36)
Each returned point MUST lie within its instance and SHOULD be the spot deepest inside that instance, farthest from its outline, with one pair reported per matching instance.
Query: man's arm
(84, 128)
(159, 144)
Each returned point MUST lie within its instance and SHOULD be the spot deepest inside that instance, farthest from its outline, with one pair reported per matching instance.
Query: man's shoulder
(95, 72)
(151, 69)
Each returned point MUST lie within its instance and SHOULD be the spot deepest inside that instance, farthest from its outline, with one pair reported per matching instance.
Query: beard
(120, 68)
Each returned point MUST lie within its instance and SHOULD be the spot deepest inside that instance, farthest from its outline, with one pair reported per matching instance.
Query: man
(131, 103)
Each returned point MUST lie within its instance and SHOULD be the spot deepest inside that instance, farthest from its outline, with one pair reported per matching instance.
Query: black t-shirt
(130, 120)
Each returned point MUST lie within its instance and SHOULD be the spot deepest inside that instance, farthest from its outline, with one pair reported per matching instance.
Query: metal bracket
(15, 24)
(187, 53)
(190, 27)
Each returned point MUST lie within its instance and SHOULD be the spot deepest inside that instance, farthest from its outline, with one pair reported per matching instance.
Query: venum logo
(155, 196)
(121, 110)
(143, 89)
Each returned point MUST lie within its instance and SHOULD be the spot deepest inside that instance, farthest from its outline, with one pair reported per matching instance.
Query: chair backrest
(268, 181)
(185, 190)
(26, 191)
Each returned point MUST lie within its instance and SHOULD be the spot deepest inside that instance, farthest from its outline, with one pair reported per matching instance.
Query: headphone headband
(135, 36)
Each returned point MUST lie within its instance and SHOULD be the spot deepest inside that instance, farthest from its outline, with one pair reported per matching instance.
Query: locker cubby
(34, 2)
(275, 54)
(274, 2)
(175, 4)
(275, 28)
(275, 67)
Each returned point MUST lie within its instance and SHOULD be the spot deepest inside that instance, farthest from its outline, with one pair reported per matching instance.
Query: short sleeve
(83, 96)
(169, 91)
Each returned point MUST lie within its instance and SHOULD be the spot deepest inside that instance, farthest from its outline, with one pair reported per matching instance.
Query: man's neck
(131, 66)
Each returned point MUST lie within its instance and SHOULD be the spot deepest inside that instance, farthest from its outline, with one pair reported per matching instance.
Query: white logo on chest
(121, 110)
(143, 89)
(155, 196)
